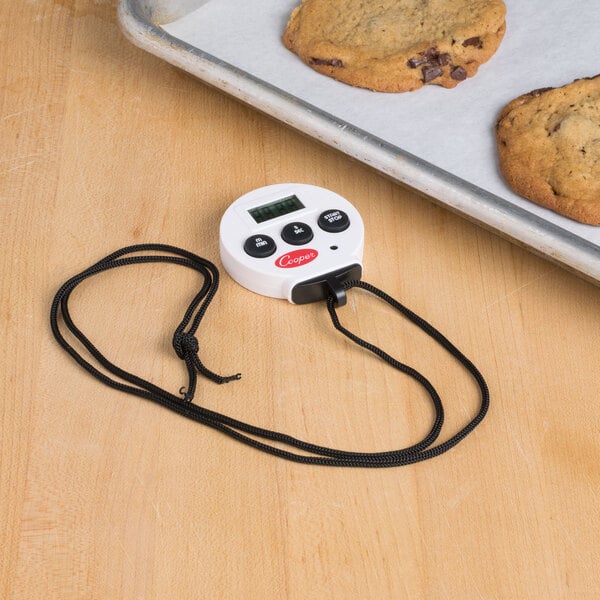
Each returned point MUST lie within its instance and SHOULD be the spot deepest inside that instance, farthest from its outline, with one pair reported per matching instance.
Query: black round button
(334, 221)
(260, 246)
(297, 234)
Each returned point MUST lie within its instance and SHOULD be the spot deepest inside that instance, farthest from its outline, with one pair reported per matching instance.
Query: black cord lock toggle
(185, 344)
(186, 347)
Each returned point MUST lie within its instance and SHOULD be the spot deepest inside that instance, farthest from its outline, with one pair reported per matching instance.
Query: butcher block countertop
(106, 495)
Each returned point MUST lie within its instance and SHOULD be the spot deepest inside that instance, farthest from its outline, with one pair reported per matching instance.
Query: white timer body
(292, 241)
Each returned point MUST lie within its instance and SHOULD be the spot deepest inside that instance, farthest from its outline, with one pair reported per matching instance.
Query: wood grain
(108, 496)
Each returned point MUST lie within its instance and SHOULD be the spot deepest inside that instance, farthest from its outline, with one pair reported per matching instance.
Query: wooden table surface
(106, 495)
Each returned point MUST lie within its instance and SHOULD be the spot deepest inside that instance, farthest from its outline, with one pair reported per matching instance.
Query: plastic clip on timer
(293, 241)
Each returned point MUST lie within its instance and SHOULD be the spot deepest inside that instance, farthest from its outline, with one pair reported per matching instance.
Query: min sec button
(297, 234)
(260, 246)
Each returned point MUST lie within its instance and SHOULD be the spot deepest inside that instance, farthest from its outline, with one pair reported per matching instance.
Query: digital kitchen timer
(292, 241)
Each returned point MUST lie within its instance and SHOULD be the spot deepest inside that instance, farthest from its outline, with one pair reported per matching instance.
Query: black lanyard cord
(440, 339)
(186, 346)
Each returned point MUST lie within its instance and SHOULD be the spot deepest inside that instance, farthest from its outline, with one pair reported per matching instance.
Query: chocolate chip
(430, 53)
(329, 62)
(458, 74)
(432, 61)
(431, 73)
(417, 61)
(473, 41)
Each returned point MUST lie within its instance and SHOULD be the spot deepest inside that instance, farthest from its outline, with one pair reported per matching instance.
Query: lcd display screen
(272, 210)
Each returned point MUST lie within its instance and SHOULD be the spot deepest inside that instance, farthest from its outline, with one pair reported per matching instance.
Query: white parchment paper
(548, 43)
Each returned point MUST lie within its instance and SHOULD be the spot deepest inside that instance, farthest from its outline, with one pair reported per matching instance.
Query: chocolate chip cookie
(396, 45)
(549, 148)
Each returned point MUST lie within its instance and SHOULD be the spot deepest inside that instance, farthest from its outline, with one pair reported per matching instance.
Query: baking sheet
(439, 141)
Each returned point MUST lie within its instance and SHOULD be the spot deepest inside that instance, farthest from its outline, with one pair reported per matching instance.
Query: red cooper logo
(296, 258)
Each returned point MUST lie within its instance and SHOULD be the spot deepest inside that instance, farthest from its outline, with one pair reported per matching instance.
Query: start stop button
(334, 221)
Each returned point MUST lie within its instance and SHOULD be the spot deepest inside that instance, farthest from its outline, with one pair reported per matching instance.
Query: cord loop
(186, 346)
